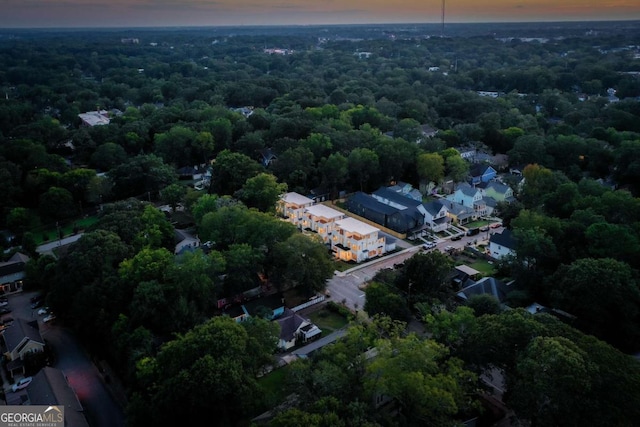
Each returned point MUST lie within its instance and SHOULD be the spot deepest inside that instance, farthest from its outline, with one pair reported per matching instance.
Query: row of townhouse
(348, 238)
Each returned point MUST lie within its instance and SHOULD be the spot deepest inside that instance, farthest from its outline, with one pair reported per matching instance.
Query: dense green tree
(604, 296)
(205, 371)
(230, 172)
(301, 261)
(384, 300)
(141, 175)
(424, 276)
(430, 167)
(261, 192)
(363, 164)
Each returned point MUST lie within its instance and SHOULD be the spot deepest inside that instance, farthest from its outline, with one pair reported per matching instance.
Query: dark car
(457, 237)
(37, 304)
(4, 310)
(473, 231)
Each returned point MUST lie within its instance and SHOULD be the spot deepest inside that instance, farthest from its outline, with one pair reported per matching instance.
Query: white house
(321, 219)
(356, 241)
(436, 216)
(292, 206)
(503, 244)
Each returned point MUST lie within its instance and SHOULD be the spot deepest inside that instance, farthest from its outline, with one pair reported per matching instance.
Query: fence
(316, 300)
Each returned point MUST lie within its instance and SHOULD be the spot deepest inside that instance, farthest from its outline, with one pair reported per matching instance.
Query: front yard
(327, 320)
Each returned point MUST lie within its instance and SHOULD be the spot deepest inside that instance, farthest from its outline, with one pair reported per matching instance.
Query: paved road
(345, 286)
(70, 357)
(47, 248)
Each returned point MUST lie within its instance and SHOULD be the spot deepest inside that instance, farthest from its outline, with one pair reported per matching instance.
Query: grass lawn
(65, 230)
(327, 320)
(273, 386)
(483, 267)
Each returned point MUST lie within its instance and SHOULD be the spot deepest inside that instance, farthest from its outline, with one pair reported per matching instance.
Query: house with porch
(356, 241)
(21, 339)
(436, 216)
(469, 197)
(295, 329)
(292, 205)
(322, 220)
(458, 213)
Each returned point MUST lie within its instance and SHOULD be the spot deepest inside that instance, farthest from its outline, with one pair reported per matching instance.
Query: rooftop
(324, 211)
(297, 199)
(95, 118)
(353, 225)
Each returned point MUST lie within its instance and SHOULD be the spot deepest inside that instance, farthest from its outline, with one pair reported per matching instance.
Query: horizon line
(437, 24)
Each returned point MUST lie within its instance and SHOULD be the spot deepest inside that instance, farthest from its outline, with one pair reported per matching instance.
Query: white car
(49, 318)
(43, 310)
(21, 384)
(4, 303)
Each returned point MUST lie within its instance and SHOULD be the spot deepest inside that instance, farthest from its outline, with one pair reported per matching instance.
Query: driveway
(70, 357)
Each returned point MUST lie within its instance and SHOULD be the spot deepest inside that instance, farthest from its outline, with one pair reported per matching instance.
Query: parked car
(4, 310)
(449, 248)
(473, 231)
(429, 245)
(37, 304)
(4, 303)
(49, 318)
(457, 237)
(23, 383)
(43, 310)
(35, 299)
(485, 228)
(496, 225)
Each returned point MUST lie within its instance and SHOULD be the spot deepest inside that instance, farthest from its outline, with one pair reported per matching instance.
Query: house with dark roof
(21, 338)
(267, 156)
(295, 329)
(458, 213)
(481, 173)
(12, 272)
(503, 244)
(436, 215)
(406, 190)
(50, 387)
(470, 197)
(386, 215)
(484, 286)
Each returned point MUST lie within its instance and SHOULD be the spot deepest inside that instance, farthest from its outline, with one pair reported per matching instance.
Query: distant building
(95, 118)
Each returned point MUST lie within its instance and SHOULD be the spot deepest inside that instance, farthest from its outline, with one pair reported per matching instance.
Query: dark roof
(50, 387)
(368, 202)
(15, 264)
(234, 311)
(467, 189)
(486, 285)
(289, 324)
(479, 169)
(20, 329)
(272, 302)
(433, 207)
(506, 239)
(396, 197)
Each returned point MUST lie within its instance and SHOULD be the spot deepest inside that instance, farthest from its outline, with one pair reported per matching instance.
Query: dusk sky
(128, 13)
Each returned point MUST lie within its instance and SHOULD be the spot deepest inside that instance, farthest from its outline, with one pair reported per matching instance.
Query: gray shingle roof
(50, 387)
(506, 239)
(20, 329)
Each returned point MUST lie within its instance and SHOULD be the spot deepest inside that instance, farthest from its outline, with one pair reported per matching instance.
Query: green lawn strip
(483, 267)
(327, 320)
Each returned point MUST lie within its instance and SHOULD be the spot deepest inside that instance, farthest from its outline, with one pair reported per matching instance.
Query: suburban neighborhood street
(101, 409)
